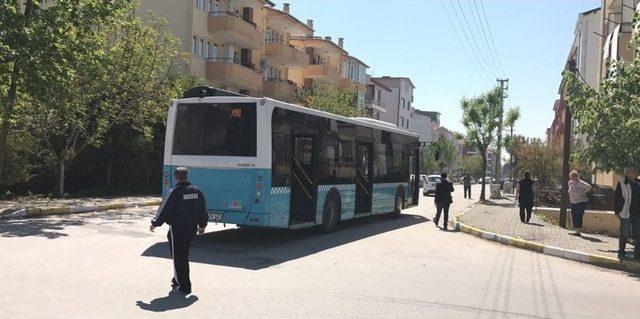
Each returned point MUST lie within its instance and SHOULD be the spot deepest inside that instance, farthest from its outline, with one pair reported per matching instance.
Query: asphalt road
(108, 265)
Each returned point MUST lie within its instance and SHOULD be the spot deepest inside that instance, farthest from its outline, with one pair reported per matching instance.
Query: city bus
(265, 163)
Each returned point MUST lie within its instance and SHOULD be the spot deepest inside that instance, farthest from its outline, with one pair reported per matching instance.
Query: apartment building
(284, 61)
(253, 48)
(617, 29)
(402, 92)
(224, 37)
(423, 124)
(378, 98)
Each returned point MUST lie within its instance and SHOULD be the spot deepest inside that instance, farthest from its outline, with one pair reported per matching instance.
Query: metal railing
(276, 79)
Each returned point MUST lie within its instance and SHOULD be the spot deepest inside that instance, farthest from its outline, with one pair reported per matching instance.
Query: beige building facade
(253, 48)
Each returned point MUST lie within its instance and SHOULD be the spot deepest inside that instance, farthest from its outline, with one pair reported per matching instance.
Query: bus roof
(366, 122)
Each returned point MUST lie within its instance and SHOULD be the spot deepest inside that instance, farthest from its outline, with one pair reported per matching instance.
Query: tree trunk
(8, 112)
(61, 178)
(484, 173)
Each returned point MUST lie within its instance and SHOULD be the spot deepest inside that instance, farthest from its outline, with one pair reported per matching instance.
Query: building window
(378, 97)
(194, 46)
(208, 6)
(402, 121)
(407, 123)
(213, 51)
(403, 103)
(208, 52)
(201, 48)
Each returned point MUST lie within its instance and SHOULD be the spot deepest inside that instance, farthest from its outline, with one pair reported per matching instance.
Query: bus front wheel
(331, 214)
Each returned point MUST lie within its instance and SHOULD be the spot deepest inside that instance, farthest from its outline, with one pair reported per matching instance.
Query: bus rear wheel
(330, 215)
(398, 204)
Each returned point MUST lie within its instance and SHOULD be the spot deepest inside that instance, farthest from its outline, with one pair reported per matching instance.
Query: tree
(38, 44)
(512, 116)
(542, 160)
(428, 163)
(481, 117)
(448, 154)
(473, 165)
(126, 76)
(610, 117)
(325, 96)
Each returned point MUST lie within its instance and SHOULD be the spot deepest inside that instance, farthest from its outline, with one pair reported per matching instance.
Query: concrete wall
(422, 125)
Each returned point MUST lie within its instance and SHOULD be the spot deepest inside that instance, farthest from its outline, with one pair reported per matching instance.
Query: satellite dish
(264, 64)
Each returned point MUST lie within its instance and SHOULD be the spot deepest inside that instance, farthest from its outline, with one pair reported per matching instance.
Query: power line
(493, 43)
(478, 61)
(479, 52)
(485, 38)
(464, 47)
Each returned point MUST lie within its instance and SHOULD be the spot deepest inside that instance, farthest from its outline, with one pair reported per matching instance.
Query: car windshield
(434, 178)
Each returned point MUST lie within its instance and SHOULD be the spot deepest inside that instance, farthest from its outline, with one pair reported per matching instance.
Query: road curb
(31, 212)
(596, 260)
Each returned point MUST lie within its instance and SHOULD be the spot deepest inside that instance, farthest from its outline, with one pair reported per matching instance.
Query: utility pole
(504, 85)
(566, 150)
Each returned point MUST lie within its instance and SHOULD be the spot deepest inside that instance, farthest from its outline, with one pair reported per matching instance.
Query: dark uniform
(443, 200)
(525, 199)
(183, 208)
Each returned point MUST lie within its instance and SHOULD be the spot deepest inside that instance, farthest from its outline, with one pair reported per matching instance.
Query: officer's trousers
(179, 242)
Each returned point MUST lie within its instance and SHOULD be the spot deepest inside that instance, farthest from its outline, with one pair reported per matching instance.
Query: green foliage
(99, 68)
(473, 165)
(448, 156)
(325, 96)
(481, 117)
(610, 117)
(542, 160)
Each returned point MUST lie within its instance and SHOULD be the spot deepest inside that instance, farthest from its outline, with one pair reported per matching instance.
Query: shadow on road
(256, 249)
(37, 227)
(170, 302)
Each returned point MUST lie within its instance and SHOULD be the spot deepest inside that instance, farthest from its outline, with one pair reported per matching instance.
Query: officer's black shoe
(622, 256)
(179, 290)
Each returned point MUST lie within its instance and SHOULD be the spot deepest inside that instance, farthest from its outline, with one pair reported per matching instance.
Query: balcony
(231, 29)
(283, 90)
(229, 72)
(279, 52)
(321, 71)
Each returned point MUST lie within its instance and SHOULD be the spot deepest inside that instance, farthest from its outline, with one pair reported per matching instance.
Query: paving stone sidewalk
(502, 217)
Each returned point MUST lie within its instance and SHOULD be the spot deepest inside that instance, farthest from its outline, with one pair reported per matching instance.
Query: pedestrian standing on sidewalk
(467, 185)
(578, 190)
(524, 196)
(184, 210)
(627, 208)
(443, 199)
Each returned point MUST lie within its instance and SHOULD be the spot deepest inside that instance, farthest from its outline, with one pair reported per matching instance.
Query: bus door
(364, 178)
(414, 177)
(303, 185)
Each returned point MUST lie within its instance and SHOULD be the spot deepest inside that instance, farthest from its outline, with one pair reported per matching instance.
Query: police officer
(183, 209)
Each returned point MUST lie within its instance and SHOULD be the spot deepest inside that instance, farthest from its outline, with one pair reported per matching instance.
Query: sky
(414, 38)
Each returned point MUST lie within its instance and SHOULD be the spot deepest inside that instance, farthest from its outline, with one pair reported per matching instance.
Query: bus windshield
(215, 129)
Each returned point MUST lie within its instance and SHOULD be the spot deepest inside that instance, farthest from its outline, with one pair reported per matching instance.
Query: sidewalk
(35, 207)
(502, 217)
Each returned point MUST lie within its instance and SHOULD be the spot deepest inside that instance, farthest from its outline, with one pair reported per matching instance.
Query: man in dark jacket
(627, 208)
(184, 210)
(443, 199)
(467, 185)
(525, 197)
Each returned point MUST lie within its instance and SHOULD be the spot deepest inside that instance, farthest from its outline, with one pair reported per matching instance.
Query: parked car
(430, 187)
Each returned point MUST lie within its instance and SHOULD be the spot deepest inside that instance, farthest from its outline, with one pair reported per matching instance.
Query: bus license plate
(215, 217)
